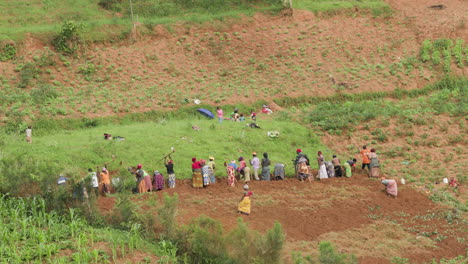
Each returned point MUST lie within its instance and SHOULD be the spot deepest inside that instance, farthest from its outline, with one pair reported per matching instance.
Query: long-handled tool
(168, 155)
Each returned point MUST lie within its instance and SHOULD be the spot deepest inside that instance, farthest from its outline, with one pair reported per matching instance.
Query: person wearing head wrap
(205, 171)
(244, 204)
(391, 187)
(279, 171)
(212, 165)
(266, 167)
(302, 165)
(255, 162)
(244, 171)
(158, 181)
(105, 180)
(197, 178)
(374, 166)
(140, 176)
(321, 164)
(231, 173)
(170, 172)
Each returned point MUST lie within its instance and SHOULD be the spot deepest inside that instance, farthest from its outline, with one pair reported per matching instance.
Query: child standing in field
(220, 113)
(253, 115)
(28, 133)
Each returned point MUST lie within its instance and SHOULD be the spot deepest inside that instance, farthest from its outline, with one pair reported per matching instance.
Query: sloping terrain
(259, 57)
(354, 213)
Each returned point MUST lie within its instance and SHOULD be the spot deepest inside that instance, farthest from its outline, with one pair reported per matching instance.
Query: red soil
(309, 210)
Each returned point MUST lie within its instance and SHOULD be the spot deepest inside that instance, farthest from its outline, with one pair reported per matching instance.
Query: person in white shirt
(94, 181)
(255, 162)
(29, 134)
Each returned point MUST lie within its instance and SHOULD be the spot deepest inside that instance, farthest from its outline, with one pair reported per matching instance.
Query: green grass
(378, 7)
(42, 17)
(30, 234)
(39, 16)
(146, 143)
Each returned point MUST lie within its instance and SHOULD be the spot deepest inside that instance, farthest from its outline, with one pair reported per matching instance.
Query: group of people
(156, 182)
(239, 117)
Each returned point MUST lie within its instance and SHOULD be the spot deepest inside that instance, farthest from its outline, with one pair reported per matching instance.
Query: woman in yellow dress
(244, 204)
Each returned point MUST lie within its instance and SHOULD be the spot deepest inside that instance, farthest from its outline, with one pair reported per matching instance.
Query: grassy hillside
(72, 152)
(113, 17)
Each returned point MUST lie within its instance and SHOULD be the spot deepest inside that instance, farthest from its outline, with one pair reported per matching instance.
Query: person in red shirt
(365, 158)
(197, 178)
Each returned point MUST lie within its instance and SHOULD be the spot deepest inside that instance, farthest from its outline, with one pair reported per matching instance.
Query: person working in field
(337, 166)
(140, 177)
(231, 173)
(205, 171)
(105, 180)
(211, 163)
(245, 203)
(374, 166)
(301, 164)
(197, 178)
(94, 181)
(321, 164)
(391, 187)
(266, 167)
(169, 164)
(348, 171)
(330, 169)
(279, 171)
(244, 171)
(255, 162)
(365, 158)
(158, 181)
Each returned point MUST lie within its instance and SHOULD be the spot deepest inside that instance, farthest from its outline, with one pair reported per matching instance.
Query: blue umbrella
(206, 113)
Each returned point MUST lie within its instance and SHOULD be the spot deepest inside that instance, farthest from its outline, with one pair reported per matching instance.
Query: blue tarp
(206, 113)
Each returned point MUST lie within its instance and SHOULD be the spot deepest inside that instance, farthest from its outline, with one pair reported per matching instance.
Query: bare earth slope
(259, 58)
(353, 213)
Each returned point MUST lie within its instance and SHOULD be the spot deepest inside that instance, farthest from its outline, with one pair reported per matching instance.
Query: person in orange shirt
(105, 180)
(365, 158)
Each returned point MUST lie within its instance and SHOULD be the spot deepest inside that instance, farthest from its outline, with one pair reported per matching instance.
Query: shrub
(42, 93)
(249, 246)
(328, 255)
(436, 57)
(27, 73)
(68, 39)
(202, 241)
(8, 52)
(166, 216)
(426, 50)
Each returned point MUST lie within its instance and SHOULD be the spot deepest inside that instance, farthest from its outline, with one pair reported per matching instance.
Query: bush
(202, 241)
(68, 39)
(27, 73)
(249, 246)
(43, 93)
(166, 216)
(328, 255)
(8, 52)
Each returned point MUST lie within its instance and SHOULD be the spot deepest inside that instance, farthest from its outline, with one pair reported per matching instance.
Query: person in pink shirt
(220, 113)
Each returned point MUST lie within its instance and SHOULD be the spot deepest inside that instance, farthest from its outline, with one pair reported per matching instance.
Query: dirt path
(341, 208)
